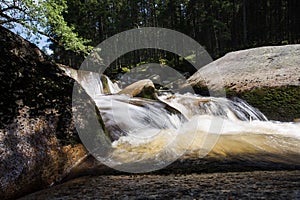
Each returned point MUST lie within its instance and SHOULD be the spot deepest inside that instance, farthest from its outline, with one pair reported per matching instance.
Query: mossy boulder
(268, 78)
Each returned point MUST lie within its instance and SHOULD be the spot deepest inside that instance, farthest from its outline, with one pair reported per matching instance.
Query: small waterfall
(96, 84)
(93, 83)
(192, 105)
(244, 111)
(113, 87)
(157, 131)
(135, 116)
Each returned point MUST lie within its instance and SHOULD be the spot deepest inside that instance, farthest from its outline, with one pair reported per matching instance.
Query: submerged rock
(268, 78)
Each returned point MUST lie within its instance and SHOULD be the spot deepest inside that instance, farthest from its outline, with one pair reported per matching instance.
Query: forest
(220, 26)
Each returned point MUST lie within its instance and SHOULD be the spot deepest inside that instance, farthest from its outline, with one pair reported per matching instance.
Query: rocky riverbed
(231, 185)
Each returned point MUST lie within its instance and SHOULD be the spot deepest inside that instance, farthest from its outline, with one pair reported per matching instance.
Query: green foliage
(125, 69)
(45, 18)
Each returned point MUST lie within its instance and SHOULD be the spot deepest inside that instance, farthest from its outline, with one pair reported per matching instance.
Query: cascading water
(192, 105)
(145, 130)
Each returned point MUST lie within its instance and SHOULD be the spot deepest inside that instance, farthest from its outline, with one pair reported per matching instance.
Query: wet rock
(143, 88)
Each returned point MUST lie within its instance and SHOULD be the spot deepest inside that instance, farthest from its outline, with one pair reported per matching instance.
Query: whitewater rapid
(148, 133)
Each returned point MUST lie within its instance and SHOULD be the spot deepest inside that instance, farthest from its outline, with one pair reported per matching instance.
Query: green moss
(277, 103)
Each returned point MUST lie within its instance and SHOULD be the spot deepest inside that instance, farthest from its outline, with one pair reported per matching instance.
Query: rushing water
(188, 125)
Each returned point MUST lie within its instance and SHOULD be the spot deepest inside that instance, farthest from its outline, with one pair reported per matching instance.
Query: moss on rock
(277, 103)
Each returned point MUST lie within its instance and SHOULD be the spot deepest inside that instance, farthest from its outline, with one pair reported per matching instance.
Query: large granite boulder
(268, 78)
(38, 140)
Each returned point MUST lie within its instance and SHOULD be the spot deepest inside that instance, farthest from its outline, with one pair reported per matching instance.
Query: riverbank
(231, 185)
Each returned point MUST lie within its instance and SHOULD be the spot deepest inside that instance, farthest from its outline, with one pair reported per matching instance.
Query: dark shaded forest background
(220, 26)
